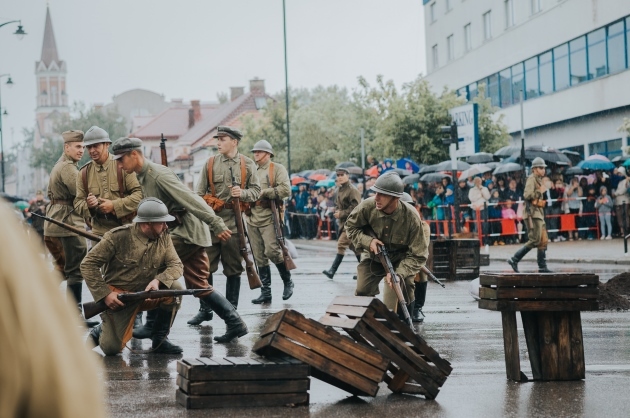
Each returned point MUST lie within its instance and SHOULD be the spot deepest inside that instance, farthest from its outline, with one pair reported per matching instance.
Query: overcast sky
(192, 49)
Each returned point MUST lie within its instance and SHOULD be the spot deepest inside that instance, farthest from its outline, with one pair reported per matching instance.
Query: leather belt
(263, 204)
(62, 202)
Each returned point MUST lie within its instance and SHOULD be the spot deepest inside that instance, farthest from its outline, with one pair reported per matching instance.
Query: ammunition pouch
(214, 202)
(177, 214)
(539, 203)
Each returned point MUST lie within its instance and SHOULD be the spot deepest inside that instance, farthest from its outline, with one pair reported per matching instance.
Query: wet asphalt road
(470, 338)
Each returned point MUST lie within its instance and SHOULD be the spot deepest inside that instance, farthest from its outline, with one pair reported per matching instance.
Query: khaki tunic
(160, 182)
(63, 186)
(221, 177)
(45, 370)
(348, 197)
(261, 216)
(102, 181)
(531, 193)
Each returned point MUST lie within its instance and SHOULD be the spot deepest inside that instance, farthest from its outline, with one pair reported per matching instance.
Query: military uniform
(130, 261)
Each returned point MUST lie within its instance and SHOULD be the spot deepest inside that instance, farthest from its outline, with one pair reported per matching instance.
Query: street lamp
(286, 87)
(20, 30)
(9, 83)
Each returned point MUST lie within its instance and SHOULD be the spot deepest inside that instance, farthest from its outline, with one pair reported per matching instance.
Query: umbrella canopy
(305, 173)
(447, 166)
(21, 204)
(414, 178)
(507, 168)
(408, 164)
(550, 155)
(318, 177)
(428, 169)
(297, 179)
(372, 171)
(327, 183)
(474, 170)
(575, 157)
(347, 164)
(355, 170)
(596, 164)
(493, 164)
(574, 171)
(401, 172)
(431, 177)
(322, 171)
(507, 151)
(620, 159)
(480, 157)
(294, 188)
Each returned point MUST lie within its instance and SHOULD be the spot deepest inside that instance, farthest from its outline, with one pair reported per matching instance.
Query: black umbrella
(507, 151)
(550, 155)
(346, 164)
(401, 172)
(428, 169)
(574, 171)
(431, 177)
(414, 178)
(507, 168)
(355, 170)
(480, 158)
(323, 171)
(447, 166)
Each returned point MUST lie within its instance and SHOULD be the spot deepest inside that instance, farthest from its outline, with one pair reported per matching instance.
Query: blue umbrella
(402, 163)
(325, 183)
(596, 165)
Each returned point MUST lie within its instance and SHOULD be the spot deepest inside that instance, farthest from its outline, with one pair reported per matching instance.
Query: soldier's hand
(106, 206)
(374, 245)
(225, 235)
(336, 215)
(112, 301)
(154, 285)
(388, 280)
(92, 201)
(235, 191)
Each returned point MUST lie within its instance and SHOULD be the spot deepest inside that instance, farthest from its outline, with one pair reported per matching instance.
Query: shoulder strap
(84, 179)
(121, 180)
(243, 171)
(271, 177)
(210, 183)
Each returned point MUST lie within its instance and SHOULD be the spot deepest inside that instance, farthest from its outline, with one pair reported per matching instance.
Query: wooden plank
(538, 280)
(510, 346)
(538, 305)
(207, 361)
(236, 387)
(530, 327)
(577, 347)
(240, 401)
(352, 311)
(183, 369)
(261, 372)
(335, 321)
(352, 300)
(549, 345)
(273, 322)
(398, 381)
(564, 345)
(194, 362)
(238, 361)
(539, 293)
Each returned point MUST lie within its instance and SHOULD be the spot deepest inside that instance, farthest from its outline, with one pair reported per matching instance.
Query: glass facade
(596, 54)
(608, 149)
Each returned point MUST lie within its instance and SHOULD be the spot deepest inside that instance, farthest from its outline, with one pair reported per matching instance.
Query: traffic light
(449, 134)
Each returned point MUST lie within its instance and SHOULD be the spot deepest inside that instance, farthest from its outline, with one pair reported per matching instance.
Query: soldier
(189, 231)
(534, 216)
(39, 207)
(67, 248)
(275, 184)
(348, 197)
(215, 185)
(133, 258)
(399, 229)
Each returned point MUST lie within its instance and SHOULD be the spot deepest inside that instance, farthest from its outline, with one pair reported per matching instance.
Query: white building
(571, 58)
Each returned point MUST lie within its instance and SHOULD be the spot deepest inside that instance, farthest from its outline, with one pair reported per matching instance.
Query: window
(545, 72)
(432, 12)
(627, 41)
(535, 6)
(505, 85)
(487, 25)
(616, 48)
(531, 78)
(472, 91)
(467, 38)
(517, 83)
(493, 89)
(608, 149)
(597, 65)
(434, 52)
(560, 67)
(449, 6)
(260, 102)
(577, 49)
(450, 48)
(509, 13)
(463, 93)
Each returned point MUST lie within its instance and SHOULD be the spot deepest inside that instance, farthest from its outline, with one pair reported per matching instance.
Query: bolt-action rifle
(288, 261)
(78, 231)
(432, 276)
(252, 275)
(163, 151)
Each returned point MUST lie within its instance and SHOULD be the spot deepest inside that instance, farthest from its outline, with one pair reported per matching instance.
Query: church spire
(49, 47)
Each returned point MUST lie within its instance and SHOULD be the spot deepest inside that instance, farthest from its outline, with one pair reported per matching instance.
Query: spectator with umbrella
(604, 204)
(479, 196)
(622, 201)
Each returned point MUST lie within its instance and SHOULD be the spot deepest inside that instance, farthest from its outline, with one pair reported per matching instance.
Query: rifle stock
(288, 261)
(71, 228)
(91, 309)
(252, 275)
(163, 151)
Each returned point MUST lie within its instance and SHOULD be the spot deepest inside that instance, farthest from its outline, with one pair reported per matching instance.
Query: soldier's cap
(229, 131)
(342, 168)
(72, 136)
(124, 145)
(96, 135)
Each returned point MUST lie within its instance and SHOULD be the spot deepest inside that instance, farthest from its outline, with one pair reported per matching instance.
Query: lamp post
(9, 83)
(286, 87)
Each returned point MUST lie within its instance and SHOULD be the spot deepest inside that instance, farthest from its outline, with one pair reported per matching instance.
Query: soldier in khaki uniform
(275, 184)
(399, 229)
(215, 185)
(134, 258)
(67, 248)
(348, 197)
(189, 232)
(106, 195)
(534, 217)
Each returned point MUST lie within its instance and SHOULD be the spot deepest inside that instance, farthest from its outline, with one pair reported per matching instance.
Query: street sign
(467, 118)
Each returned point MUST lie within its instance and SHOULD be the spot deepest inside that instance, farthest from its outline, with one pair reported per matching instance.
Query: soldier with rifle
(66, 247)
(348, 197)
(264, 223)
(217, 189)
(534, 216)
(385, 223)
(189, 231)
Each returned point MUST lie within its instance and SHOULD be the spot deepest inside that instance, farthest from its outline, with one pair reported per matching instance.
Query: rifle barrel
(71, 228)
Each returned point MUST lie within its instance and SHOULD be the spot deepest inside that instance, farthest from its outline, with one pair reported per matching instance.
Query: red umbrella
(296, 180)
(372, 172)
(318, 177)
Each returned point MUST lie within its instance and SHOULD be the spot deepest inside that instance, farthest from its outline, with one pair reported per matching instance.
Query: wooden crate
(238, 381)
(415, 367)
(334, 358)
(550, 306)
(456, 259)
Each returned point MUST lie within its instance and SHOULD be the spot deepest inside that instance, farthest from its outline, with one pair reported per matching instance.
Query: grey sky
(192, 49)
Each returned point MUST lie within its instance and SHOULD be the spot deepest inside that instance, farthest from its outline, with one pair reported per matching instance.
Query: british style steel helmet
(151, 209)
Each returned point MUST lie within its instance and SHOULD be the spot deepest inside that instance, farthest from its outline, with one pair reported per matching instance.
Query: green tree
(493, 133)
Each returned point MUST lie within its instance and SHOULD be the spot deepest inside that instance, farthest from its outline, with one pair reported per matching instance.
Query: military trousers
(537, 234)
(343, 243)
(117, 327)
(195, 262)
(370, 272)
(265, 245)
(67, 253)
(228, 253)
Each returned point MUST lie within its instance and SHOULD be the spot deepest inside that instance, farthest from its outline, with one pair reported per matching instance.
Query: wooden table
(550, 306)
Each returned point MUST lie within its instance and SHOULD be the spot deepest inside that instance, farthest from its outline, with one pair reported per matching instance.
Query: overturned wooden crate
(334, 358)
(550, 306)
(456, 259)
(224, 382)
(415, 367)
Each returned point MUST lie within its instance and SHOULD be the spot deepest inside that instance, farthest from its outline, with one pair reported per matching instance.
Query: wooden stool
(415, 367)
(550, 306)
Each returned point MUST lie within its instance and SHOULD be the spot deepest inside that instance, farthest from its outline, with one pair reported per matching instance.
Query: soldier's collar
(225, 158)
(265, 165)
(140, 236)
(144, 168)
(394, 215)
(105, 165)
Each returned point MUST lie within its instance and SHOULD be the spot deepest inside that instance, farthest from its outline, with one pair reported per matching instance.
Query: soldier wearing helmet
(534, 216)
(106, 195)
(398, 228)
(132, 258)
(275, 185)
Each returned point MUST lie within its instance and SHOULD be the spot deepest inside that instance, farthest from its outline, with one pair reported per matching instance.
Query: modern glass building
(569, 58)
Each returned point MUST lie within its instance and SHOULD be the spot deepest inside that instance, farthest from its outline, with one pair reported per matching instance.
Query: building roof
(49, 46)
(173, 122)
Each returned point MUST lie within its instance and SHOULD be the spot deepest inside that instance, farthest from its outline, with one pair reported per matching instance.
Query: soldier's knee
(110, 348)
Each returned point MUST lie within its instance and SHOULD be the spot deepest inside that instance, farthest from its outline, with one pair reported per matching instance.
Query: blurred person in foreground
(45, 371)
